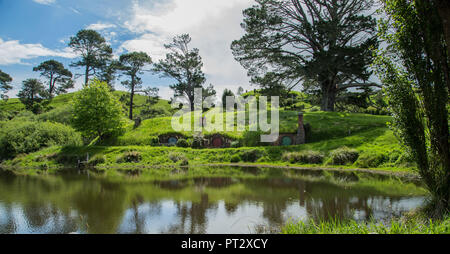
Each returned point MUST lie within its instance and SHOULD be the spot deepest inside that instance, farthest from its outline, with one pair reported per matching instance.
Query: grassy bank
(103, 157)
(395, 226)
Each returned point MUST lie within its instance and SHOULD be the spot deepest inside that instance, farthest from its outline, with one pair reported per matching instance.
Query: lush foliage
(325, 43)
(18, 137)
(415, 68)
(96, 112)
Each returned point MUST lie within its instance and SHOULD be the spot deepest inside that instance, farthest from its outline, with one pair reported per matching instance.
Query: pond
(82, 203)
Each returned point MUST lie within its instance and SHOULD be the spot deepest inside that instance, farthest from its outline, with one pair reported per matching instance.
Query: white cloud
(46, 2)
(212, 24)
(13, 52)
(100, 26)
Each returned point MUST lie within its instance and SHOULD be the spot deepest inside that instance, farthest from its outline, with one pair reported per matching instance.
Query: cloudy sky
(32, 31)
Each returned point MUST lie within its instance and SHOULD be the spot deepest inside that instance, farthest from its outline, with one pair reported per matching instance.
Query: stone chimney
(301, 137)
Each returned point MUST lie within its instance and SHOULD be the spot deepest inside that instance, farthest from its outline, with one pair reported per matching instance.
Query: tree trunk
(131, 98)
(329, 92)
(86, 79)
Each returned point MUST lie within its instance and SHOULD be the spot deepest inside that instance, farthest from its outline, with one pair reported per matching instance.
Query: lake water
(83, 204)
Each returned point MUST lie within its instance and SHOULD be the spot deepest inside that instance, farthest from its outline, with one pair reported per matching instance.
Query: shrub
(197, 142)
(130, 157)
(235, 158)
(343, 156)
(97, 112)
(251, 155)
(179, 158)
(154, 141)
(371, 160)
(307, 157)
(236, 144)
(97, 159)
(25, 137)
(182, 143)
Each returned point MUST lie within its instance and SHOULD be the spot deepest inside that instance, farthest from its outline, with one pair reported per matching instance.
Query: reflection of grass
(410, 226)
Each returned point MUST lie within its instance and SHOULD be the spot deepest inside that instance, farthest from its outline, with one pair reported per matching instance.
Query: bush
(251, 155)
(182, 143)
(371, 160)
(306, 157)
(236, 144)
(197, 143)
(97, 159)
(179, 158)
(154, 141)
(343, 156)
(235, 158)
(26, 137)
(130, 157)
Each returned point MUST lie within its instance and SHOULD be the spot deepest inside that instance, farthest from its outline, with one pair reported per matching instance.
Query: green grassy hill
(368, 135)
(14, 106)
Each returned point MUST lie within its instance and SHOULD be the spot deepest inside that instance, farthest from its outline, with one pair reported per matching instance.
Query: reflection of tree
(8, 226)
(231, 208)
(193, 219)
(101, 205)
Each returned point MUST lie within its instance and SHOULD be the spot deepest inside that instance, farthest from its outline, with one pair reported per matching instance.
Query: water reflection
(67, 204)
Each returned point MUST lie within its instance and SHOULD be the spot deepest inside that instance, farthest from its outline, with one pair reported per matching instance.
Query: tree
(5, 86)
(95, 53)
(60, 78)
(97, 112)
(152, 98)
(414, 66)
(289, 42)
(185, 66)
(226, 93)
(32, 94)
(132, 65)
(240, 91)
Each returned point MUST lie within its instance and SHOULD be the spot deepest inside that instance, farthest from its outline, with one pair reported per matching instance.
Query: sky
(33, 31)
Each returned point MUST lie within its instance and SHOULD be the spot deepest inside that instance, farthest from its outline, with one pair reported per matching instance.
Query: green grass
(368, 134)
(14, 104)
(405, 226)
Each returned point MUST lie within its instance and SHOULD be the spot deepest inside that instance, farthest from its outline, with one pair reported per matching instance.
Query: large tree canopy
(5, 86)
(59, 78)
(185, 66)
(325, 42)
(95, 53)
(132, 64)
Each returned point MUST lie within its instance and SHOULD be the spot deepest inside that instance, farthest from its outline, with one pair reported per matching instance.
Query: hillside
(14, 106)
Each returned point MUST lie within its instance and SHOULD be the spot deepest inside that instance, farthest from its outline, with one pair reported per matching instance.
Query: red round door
(217, 142)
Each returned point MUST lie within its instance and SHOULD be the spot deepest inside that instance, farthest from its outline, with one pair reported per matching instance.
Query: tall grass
(335, 226)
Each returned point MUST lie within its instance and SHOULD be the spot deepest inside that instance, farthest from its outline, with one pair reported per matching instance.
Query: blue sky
(32, 31)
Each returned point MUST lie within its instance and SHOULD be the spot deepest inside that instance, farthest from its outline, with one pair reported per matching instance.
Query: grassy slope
(14, 104)
(330, 131)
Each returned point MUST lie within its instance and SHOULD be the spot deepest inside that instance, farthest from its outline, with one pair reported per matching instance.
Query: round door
(217, 142)
(173, 141)
(286, 141)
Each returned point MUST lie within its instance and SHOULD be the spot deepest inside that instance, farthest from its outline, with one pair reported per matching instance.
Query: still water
(82, 204)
